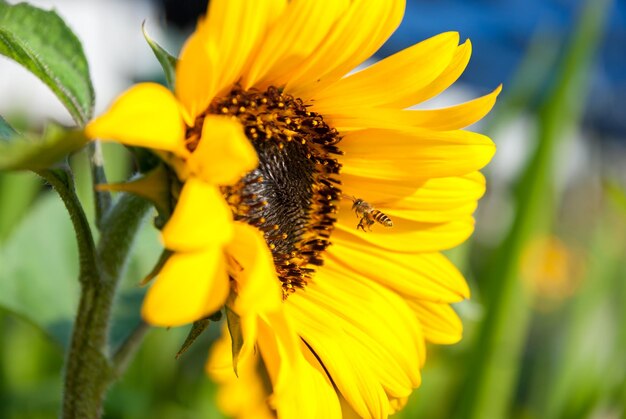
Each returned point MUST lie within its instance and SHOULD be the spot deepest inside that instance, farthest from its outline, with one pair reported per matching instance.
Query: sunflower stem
(89, 369)
(62, 180)
(102, 198)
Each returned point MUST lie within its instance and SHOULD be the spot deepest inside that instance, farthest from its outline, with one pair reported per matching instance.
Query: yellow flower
(277, 149)
(551, 269)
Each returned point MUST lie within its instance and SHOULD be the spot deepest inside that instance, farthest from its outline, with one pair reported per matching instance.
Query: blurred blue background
(503, 33)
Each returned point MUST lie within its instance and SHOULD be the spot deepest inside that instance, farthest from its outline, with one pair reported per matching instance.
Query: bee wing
(371, 205)
(382, 205)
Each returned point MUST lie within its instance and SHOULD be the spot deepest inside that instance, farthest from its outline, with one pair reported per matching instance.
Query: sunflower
(277, 148)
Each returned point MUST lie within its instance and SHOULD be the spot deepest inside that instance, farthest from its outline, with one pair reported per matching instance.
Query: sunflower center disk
(291, 197)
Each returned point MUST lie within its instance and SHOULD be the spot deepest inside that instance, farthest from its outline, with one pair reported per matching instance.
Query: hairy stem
(63, 182)
(102, 198)
(88, 370)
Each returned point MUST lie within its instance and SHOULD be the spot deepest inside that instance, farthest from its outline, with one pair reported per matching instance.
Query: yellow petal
(201, 219)
(347, 411)
(196, 83)
(433, 200)
(359, 117)
(301, 387)
(298, 32)
(437, 200)
(219, 364)
(189, 287)
(146, 115)
(393, 81)
(397, 404)
(250, 332)
(405, 236)
(454, 117)
(441, 325)
(233, 46)
(363, 116)
(406, 195)
(424, 276)
(224, 153)
(258, 287)
(448, 76)
(378, 191)
(414, 153)
(366, 337)
(356, 36)
(278, 342)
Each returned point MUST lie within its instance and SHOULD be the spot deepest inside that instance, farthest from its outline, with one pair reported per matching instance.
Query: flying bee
(369, 215)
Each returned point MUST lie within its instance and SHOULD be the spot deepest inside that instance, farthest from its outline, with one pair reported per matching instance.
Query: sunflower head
(314, 203)
(292, 194)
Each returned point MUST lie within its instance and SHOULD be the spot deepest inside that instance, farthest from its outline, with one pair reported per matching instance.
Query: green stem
(88, 370)
(493, 375)
(84, 355)
(63, 182)
(102, 198)
(119, 228)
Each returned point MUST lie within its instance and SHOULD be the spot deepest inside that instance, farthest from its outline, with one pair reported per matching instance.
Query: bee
(369, 215)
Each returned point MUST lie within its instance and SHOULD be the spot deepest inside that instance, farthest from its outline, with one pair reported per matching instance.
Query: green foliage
(590, 360)
(495, 364)
(18, 190)
(167, 61)
(40, 41)
(6, 130)
(616, 194)
(30, 152)
(41, 286)
(234, 328)
(197, 328)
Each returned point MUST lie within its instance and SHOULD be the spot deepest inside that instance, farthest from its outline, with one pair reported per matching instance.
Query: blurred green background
(544, 329)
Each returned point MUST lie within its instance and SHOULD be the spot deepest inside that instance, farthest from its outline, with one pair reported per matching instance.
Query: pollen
(292, 195)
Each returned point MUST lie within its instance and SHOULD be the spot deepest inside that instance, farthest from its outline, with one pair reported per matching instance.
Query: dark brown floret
(292, 195)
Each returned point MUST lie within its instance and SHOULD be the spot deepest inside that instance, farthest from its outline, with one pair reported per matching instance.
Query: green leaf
(40, 41)
(494, 370)
(6, 130)
(615, 193)
(18, 191)
(167, 60)
(127, 309)
(153, 186)
(234, 328)
(197, 328)
(31, 153)
(38, 269)
(156, 269)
